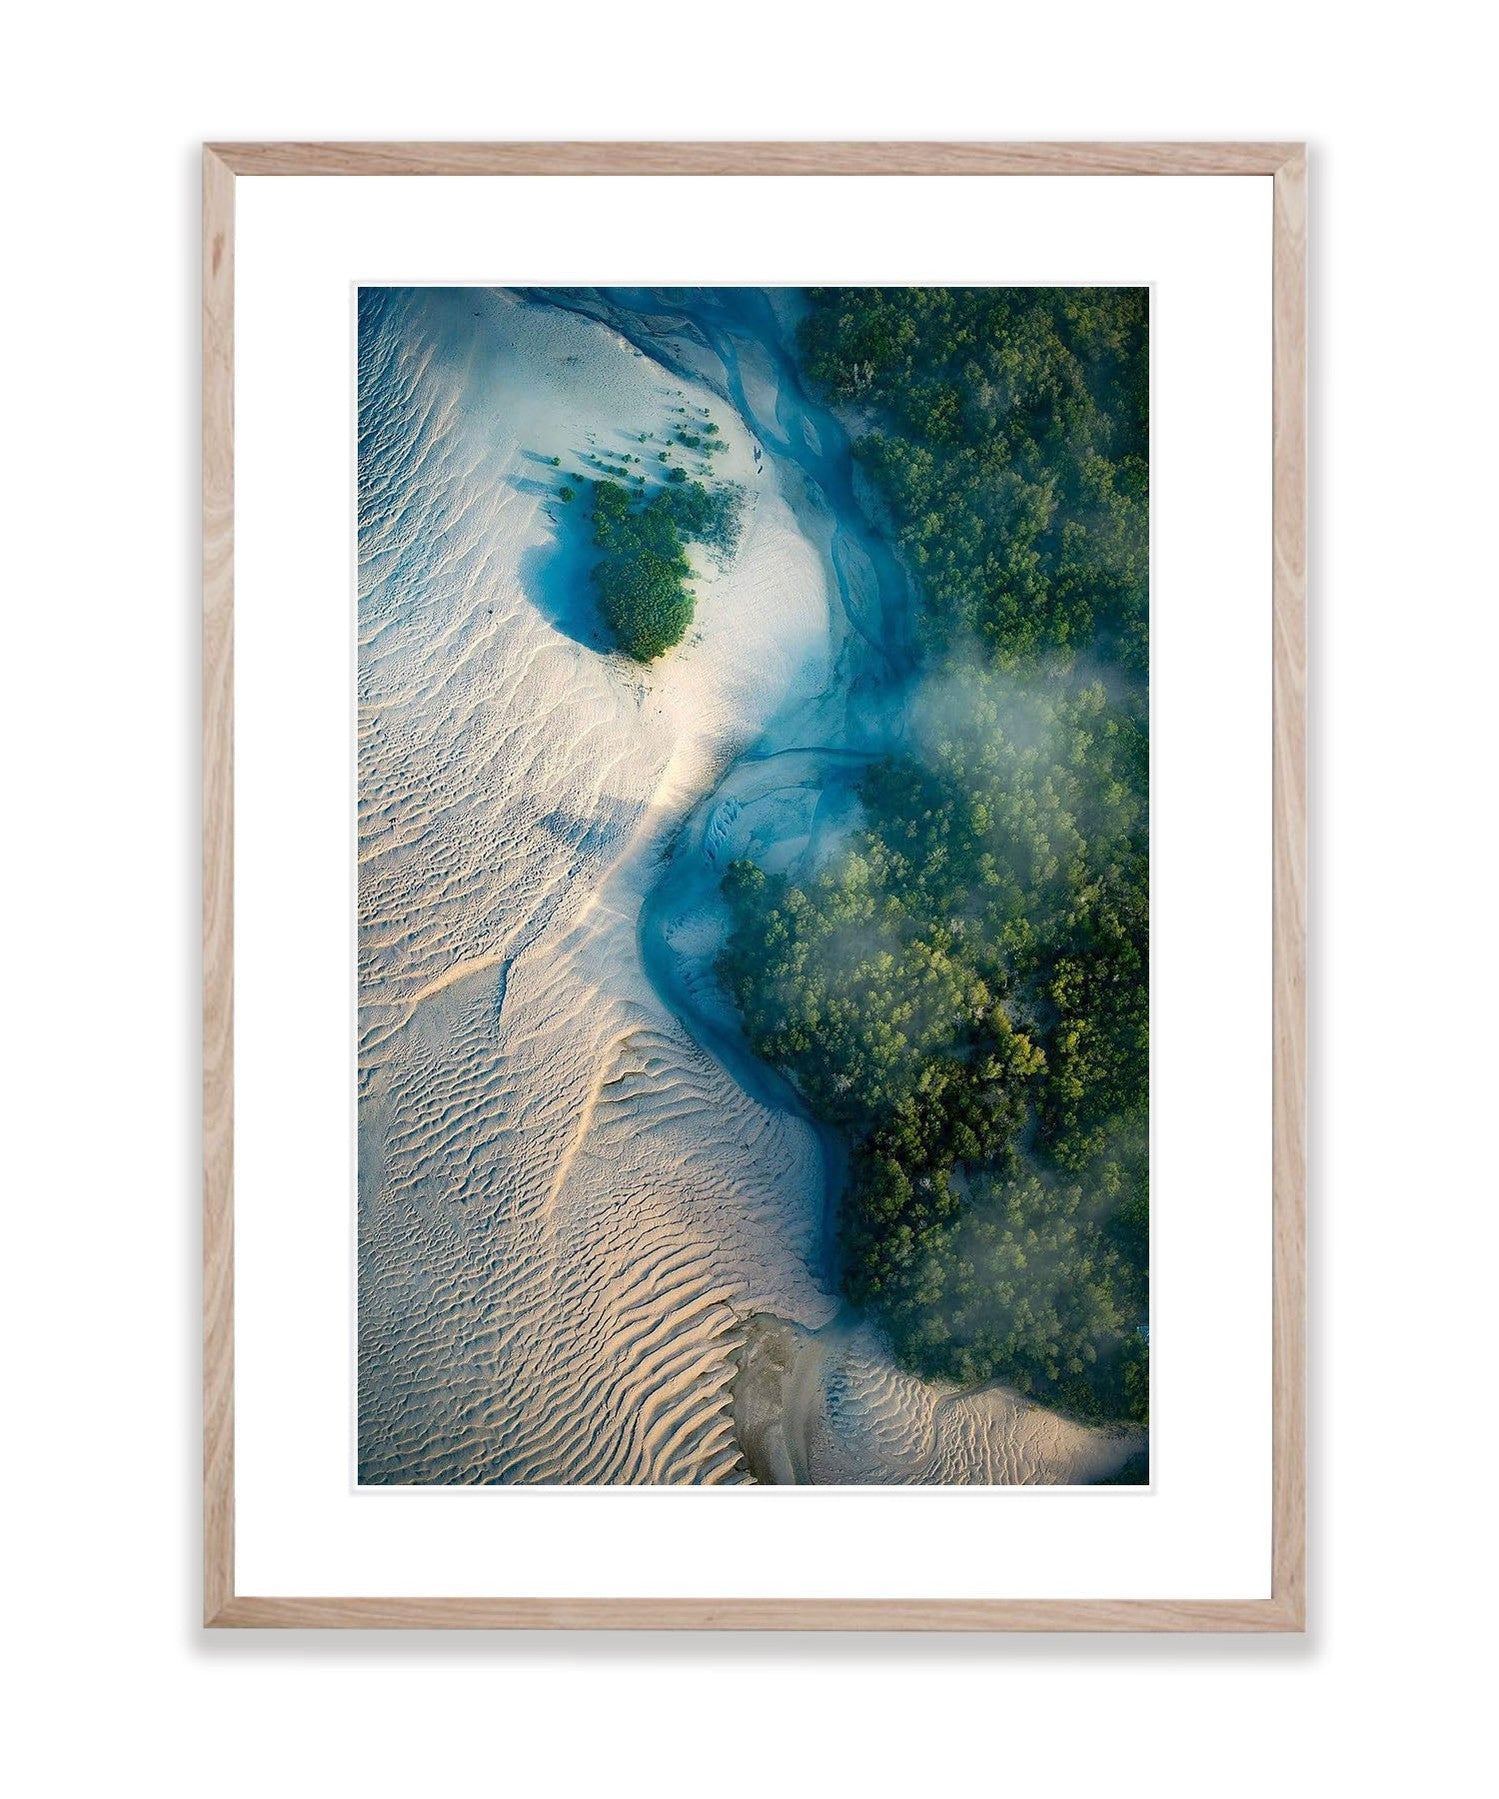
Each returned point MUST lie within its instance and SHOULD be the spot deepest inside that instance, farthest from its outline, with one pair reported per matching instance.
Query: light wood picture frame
(1285, 163)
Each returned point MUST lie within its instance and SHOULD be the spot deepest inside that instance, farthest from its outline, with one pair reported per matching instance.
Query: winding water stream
(860, 708)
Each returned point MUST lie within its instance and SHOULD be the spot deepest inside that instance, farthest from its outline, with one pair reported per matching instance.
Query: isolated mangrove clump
(642, 581)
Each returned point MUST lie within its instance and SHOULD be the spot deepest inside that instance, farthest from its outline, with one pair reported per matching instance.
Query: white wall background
(116, 1685)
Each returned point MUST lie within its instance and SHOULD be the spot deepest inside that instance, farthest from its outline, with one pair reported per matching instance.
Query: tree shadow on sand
(555, 578)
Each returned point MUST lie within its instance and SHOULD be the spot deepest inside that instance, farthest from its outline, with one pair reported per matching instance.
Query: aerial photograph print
(753, 886)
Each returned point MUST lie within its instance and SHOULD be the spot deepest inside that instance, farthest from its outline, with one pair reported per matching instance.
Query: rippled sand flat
(563, 1200)
(830, 1409)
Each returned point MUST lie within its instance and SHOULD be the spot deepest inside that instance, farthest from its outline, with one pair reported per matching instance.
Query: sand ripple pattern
(830, 1408)
(566, 1207)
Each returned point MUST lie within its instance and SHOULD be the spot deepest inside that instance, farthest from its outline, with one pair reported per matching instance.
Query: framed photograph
(754, 886)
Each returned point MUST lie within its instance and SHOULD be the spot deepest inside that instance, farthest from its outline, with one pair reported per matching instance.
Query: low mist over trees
(963, 992)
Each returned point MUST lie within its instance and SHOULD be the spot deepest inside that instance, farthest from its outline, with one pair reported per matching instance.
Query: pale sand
(828, 1408)
(566, 1205)
(570, 1210)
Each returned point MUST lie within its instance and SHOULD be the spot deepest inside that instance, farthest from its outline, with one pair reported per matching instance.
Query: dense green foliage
(641, 582)
(963, 990)
(1015, 454)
